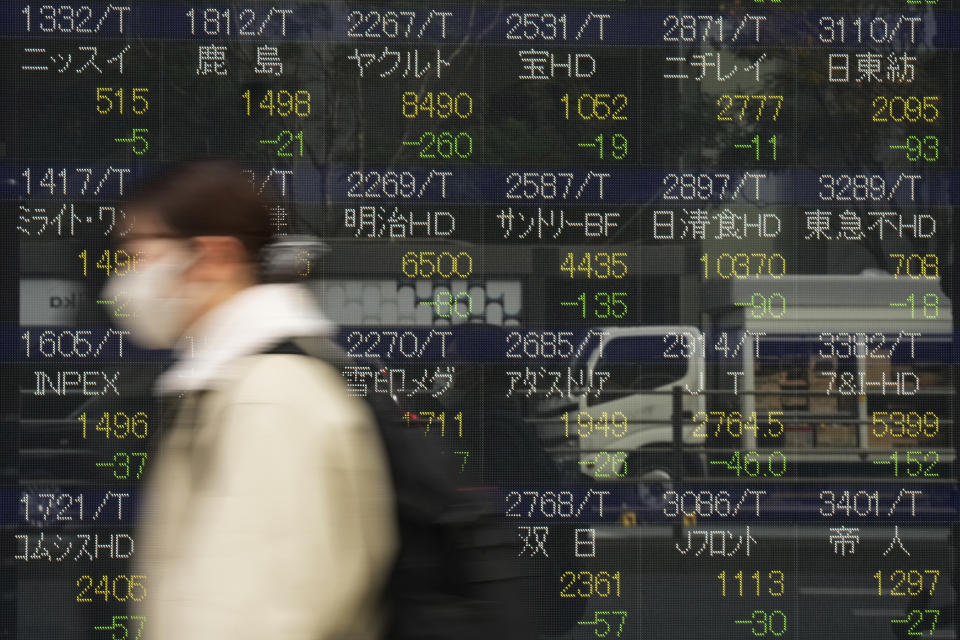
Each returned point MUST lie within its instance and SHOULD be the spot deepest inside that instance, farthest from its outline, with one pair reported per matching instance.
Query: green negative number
(606, 305)
(120, 627)
(926, 148)
(920, 622)
(766, 623)
(761, 306)
(445, 145)
(451, 305)
(289, 144)
(126, 465)
(615, 146)
(606, 622)
(929, 306)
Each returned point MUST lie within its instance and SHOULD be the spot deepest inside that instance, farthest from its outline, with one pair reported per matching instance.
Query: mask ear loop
(291, 258)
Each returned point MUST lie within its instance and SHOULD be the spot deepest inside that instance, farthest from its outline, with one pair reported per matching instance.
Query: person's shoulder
(288, 378)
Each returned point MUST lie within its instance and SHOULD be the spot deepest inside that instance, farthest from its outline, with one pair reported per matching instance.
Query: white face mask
(151, 301)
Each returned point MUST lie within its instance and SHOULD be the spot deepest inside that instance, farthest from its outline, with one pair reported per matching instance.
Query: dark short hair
(207, 198)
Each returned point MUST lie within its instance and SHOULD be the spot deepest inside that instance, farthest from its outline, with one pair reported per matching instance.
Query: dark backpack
(456, 575)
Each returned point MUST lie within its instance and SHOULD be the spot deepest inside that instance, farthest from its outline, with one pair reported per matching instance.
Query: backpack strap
(319, 347)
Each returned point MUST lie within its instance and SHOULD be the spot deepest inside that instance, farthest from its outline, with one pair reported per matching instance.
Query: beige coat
(270, 514)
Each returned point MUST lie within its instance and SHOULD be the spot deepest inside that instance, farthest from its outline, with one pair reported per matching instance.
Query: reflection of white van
(631, 417)
(847, 371)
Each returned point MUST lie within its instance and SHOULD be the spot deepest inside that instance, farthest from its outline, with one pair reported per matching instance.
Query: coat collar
(245, 324)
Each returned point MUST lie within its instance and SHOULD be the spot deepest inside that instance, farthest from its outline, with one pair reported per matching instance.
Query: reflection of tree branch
(410, 122)
(857, 149)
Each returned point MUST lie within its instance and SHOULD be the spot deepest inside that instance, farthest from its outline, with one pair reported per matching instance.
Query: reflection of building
(421, 302)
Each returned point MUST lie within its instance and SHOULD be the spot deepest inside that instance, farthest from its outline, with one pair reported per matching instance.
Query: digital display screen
(668, 282)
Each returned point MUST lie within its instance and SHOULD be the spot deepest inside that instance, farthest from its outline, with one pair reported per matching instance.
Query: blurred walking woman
(268, 512)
